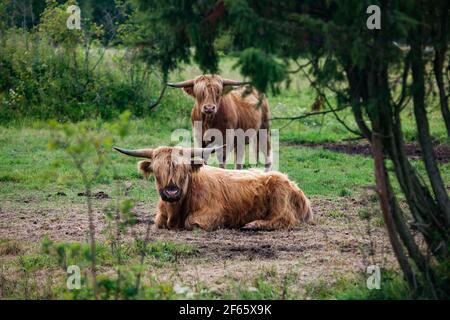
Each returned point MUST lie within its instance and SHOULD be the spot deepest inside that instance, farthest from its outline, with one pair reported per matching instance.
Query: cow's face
(172, 172)
(172, 167)
(207, 91)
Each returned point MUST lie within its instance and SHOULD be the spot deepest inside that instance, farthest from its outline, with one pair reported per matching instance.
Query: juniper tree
(376, 73)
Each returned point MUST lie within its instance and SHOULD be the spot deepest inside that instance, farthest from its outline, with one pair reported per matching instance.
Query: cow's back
(238, 196)
(237, 110)
(252, 111)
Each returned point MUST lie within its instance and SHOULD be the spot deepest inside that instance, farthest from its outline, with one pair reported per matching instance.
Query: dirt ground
(338, 244)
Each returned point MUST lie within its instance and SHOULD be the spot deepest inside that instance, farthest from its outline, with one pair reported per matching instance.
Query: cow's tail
(302, 206)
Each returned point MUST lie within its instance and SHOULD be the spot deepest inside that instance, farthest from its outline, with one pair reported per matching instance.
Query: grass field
(40, 199)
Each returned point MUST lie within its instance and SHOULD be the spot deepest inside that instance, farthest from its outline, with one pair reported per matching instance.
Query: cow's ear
(196, 164)
(189, 91)
(145, 167)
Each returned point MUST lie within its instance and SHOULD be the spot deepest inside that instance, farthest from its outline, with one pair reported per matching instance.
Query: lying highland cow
(194, 194)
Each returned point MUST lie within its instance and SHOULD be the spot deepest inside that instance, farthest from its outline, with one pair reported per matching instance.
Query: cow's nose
(172, 191)
(210, 108)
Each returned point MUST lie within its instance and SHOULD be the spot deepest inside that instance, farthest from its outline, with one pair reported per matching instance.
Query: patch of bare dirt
(337, 244)
(412, 149)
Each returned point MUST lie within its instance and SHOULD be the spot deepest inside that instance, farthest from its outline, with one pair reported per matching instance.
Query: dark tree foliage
(109, 13)
(22, 13)
(375, 72)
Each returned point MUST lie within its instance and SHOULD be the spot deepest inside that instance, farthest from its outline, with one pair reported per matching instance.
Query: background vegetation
(101, 85)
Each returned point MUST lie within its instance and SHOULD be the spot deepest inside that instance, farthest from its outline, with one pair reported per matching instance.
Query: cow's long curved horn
(229, 82)
(139, 153)
(201, 151)
(182, 84)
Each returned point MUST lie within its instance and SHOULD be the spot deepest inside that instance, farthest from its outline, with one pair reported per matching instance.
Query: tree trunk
(384, 196)
(429, 277)
(422, 205)
(438, 65)
(440, 49)
(428, 154)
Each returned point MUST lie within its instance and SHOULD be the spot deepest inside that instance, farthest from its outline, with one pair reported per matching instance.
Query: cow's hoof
(192, 227)
(251, 227)
(156, 227)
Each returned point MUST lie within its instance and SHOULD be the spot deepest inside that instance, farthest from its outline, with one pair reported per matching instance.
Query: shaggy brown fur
(241, 108)
(213, 198)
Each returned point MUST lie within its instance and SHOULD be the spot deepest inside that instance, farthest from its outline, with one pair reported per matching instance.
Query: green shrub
(54, 72)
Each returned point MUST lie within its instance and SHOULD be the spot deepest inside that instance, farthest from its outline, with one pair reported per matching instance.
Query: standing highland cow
(194, 194)
(241, 110)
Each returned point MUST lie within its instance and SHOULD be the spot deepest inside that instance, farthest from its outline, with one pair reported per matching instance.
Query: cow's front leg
(168, 217)
(267, 150)
(200, 141)
(203, 219)
(161, 220)
(259, 225)
(198, 134)
(269, 224)
(175, 222)
(222, 157)
(239, 157)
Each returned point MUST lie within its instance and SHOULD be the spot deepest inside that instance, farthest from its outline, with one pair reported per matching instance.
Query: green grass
(326, 173)
(75, 253)
(336, 214)
(31, 175)
(392, 288)
(33, 262)
(30, 171)
(170, 251)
